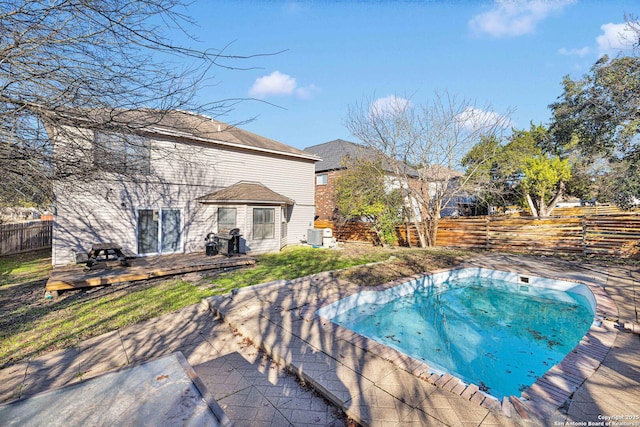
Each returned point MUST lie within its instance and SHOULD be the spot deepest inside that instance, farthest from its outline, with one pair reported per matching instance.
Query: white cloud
(614, 38)
(512, 18)
(280, 84)
(389, 105)
(307, 92)
(575, 52)
(477, 120)
(275, 83)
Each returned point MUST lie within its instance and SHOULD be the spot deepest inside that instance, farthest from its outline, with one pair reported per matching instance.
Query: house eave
(248, 202)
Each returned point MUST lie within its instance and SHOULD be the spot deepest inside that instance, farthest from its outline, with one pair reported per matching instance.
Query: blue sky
(500, 55)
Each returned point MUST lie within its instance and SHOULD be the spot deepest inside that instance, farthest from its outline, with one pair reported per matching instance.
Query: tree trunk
(433, 232)
(377, 237)
(532, 205)
(416, 222)
(542, 209)
(420, 231)
(427, 232)
(432, 224)
(555, 199)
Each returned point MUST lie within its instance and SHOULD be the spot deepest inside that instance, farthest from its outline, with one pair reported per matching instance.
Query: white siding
(105, 210)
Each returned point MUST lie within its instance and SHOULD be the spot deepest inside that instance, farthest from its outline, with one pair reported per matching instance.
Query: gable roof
(333, 152)
(175, 123)
(246, 192)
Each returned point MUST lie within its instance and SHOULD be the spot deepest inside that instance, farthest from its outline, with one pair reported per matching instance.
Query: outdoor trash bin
(229, 243)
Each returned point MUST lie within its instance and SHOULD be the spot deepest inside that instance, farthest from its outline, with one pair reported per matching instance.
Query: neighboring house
(334, 155)
(186, 175)
(569, 202)
(441, 181)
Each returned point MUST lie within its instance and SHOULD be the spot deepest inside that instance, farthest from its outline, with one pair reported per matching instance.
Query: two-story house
(334, 156)
(436, 180)
(162, 181)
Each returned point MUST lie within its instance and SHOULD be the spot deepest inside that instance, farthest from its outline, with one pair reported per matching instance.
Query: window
(226, 219)
(321, 179)
(122, 153)
(264, 223)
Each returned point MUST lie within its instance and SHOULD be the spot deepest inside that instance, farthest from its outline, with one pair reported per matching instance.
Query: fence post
(486, 233)
(584, 235)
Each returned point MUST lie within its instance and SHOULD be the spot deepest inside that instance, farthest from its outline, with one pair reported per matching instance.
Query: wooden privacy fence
(613, 235)
(351, 231)
(25, 236)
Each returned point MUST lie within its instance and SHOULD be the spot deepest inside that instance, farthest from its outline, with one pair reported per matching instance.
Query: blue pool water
(500, 335)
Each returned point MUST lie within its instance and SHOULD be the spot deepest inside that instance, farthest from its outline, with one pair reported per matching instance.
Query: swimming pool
(498, 330)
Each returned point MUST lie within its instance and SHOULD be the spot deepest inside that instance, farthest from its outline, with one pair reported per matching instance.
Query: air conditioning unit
(314, 237)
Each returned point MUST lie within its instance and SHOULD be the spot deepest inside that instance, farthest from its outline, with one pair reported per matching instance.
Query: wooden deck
(144, 268)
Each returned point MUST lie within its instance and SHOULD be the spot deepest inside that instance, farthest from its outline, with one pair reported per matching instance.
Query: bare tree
(62, 61)
(633, 25)
(432, 139)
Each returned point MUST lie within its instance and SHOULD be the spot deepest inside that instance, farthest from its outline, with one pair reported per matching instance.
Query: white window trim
(181, 246)
(325, 179)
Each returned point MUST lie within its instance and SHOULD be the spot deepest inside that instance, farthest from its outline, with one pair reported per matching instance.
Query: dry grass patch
(404, 262)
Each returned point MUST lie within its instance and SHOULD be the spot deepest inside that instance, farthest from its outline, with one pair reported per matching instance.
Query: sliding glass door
(159, 231)
(171, 231)
(148, 231)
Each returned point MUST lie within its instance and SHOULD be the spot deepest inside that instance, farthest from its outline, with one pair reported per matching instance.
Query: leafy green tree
(621, 184)
(363, 192)
(488, 180)
(600, 115)
(526, 168)
(602, 109)
(543, 182)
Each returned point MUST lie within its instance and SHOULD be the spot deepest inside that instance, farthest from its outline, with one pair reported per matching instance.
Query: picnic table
(106, 249)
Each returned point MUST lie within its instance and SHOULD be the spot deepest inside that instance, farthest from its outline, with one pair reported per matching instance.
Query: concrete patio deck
(370, 385)
(251, 389)
(160, 392)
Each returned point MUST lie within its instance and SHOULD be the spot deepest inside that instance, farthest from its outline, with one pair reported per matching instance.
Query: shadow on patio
(378, 386)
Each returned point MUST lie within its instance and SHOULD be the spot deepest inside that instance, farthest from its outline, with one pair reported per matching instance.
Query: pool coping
(548, 393)
(541, 400)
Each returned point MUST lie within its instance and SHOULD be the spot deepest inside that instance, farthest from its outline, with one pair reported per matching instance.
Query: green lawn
(31, 325)
(295, 262)
(23, 268)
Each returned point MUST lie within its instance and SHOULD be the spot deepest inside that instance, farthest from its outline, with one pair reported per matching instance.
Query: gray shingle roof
(246, 192)
(174, 123)
(333, 153)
